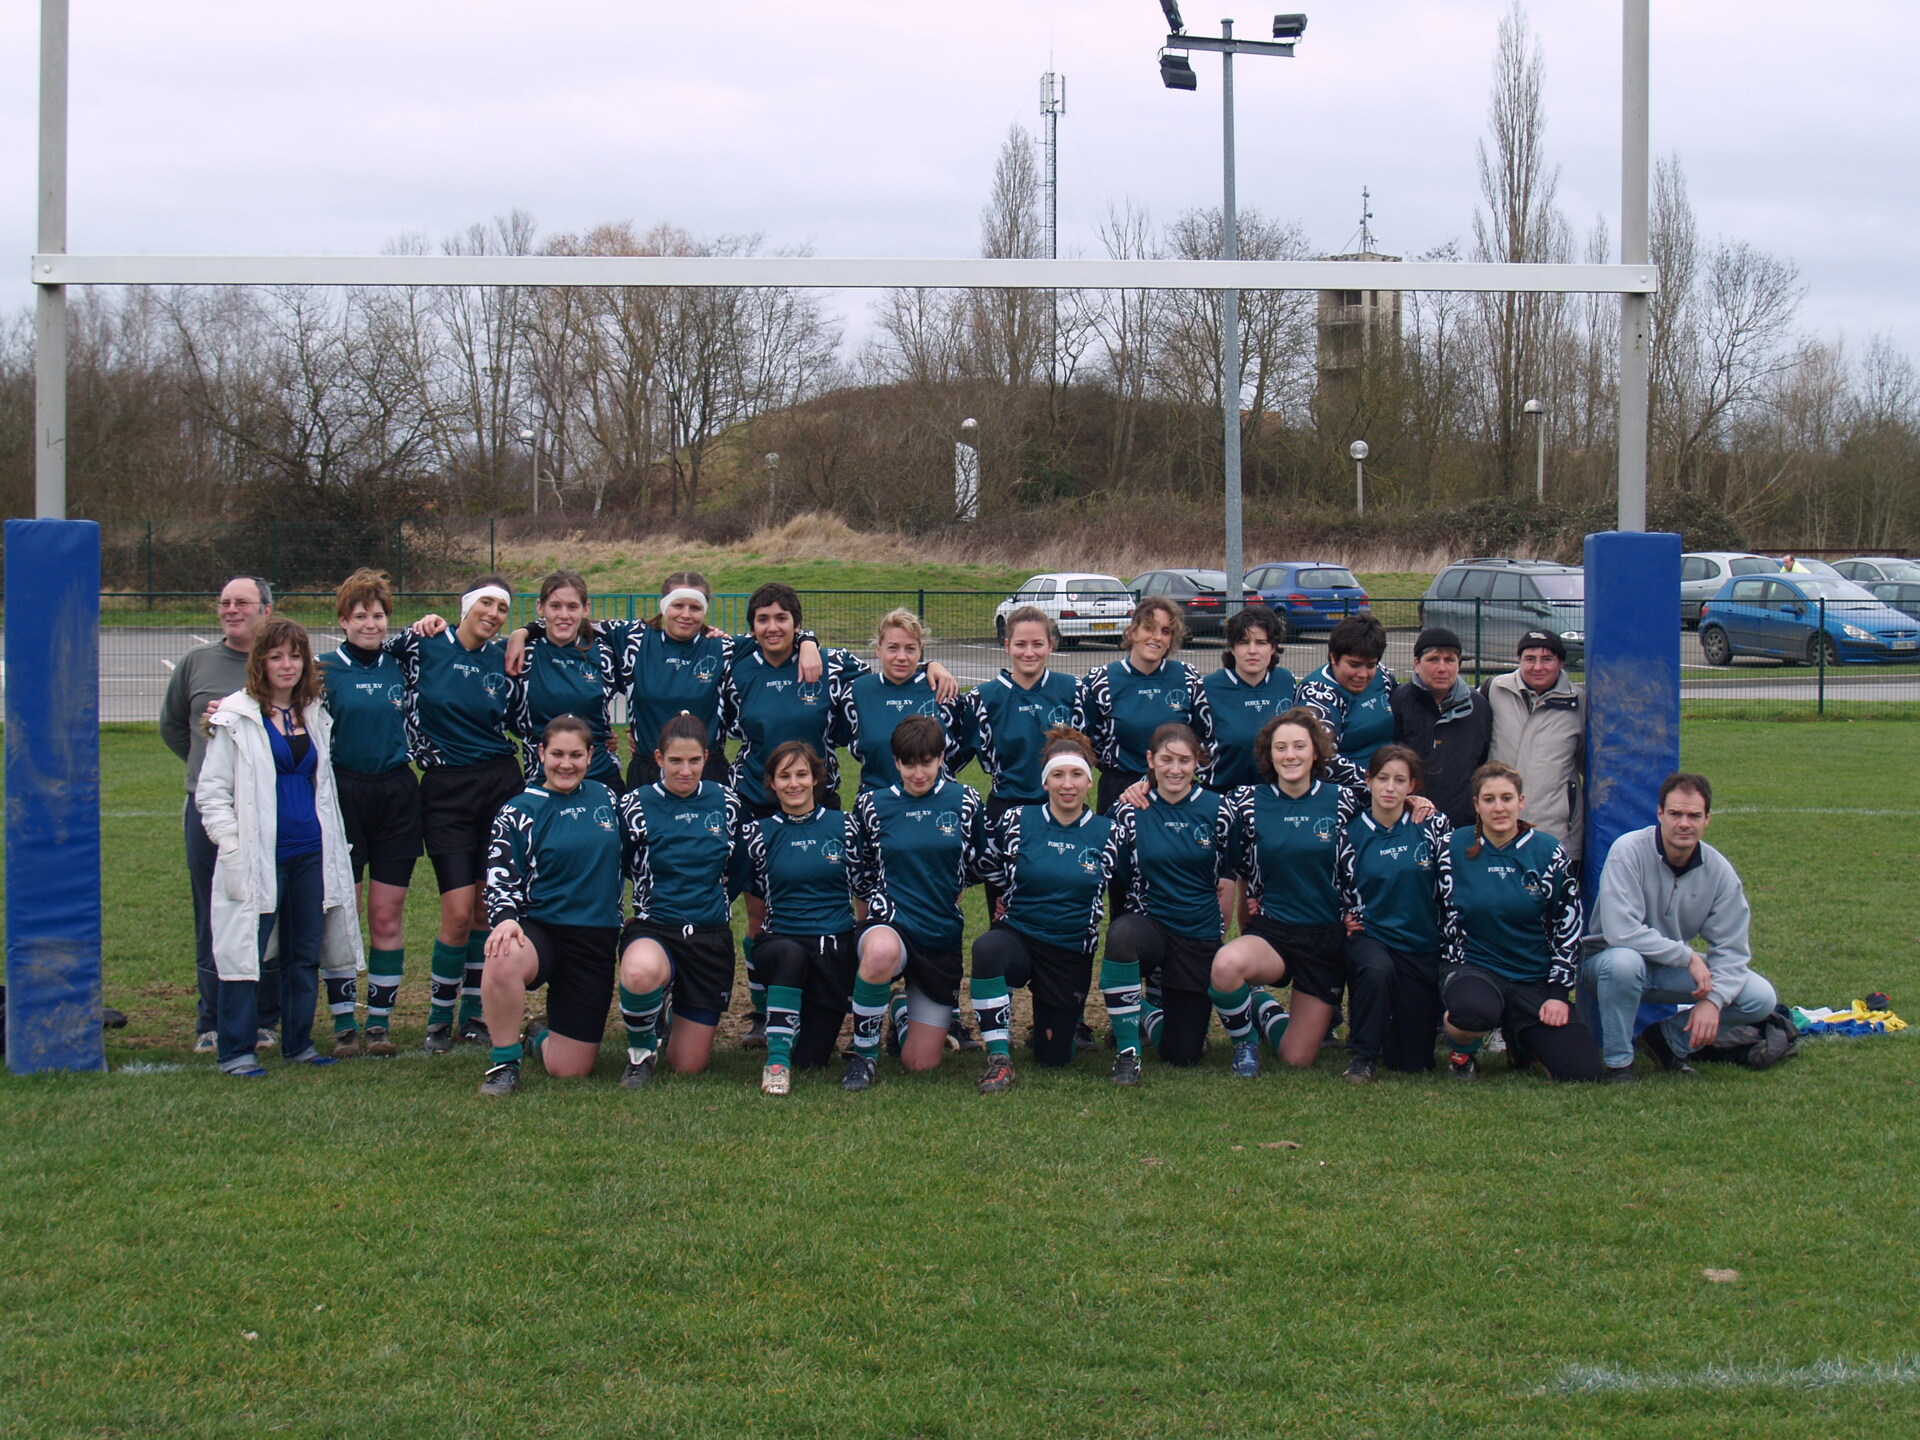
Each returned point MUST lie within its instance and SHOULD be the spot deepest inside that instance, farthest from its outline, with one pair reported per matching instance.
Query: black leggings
(1002, 952)
(1174, 963)
(782, 960)
(1476, 1003)
(1415, 990)
(1184, 1017)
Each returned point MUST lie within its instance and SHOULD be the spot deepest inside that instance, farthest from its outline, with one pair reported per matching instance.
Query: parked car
(1704, 572)
(1084, 606)
(1200, 594)
(1804, 619)
(1307, 594)
(1864, 569)
(1499, 600)
(1903, 595)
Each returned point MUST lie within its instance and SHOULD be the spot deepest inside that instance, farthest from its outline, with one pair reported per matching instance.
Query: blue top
(1119, 708)
(577, 679)
(1394, 880)
(297, 822)
(1360, 724)
(680, 853)
(556, 858)
(1181, 852)
(367, 697)
(1012, 725)
(1515, 911)
(456, 698)
(870, 705)
(806, 868)
(1284, 849)
(1056, 876)
(926, 849)
(1239, 710)
(766, 705)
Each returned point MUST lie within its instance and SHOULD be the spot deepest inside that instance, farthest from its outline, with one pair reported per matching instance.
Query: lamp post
(772, 457)
(1176, 73)
(1538, 410)
(531, 440)
(1358, 451)
(966, 471)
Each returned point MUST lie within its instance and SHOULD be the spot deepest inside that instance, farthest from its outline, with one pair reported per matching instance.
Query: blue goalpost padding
(1633, 684)
(53, 796)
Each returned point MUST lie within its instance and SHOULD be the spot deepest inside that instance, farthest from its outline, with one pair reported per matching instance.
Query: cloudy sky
(869, 127)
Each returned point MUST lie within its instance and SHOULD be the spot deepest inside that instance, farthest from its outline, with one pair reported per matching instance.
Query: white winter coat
(238, 806)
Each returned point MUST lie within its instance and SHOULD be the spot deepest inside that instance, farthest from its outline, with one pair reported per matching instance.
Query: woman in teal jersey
(457, 699)
(379, 798)
(1512, 922)
(1181, 841)
(1392, 873)
(1013, 712)
(871, 704)
(1352, 691)
(568, 669)
(1285, 833)
(682, 836)
(806, 863)
(927, 839)
(1054, 864)
(1249, 689)
(1120, 704)
(553, 899)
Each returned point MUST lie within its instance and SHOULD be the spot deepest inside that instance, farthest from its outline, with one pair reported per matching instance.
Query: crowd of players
(1403, 855)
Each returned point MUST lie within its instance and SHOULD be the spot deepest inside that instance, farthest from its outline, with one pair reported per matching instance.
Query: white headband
(1064, 762)
(685, 592)
(480, 592)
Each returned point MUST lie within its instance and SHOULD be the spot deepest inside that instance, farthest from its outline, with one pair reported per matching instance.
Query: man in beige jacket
(1539, 728)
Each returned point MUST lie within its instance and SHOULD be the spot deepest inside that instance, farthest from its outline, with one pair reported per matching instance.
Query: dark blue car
(1804, 619)
(1310, 594)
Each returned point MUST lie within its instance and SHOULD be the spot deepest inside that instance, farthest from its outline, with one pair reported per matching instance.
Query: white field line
(1822, 1374)
(1810, 810)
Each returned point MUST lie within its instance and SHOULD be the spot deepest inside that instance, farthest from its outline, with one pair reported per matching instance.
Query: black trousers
(1477, 1002)
(1415, 1002)
(1058, 980)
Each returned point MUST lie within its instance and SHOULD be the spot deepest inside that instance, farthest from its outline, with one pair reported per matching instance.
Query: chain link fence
(1803, 675)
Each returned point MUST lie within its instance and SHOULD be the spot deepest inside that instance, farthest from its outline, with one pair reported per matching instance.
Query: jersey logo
(603, 816)
(1423, 856)
(832, 852)
(1323, 828)
(496, 685)
(809, 692)
(397, 696)
(707, 670)
(948, 822)
(1059, 715)
(715, 826)
(1090, 861)
(1176, 699)
(928, 707)
(1534, 885)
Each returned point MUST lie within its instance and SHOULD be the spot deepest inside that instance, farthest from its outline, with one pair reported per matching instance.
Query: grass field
(373, 1250)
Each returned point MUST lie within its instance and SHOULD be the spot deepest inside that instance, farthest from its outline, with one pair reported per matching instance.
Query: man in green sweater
(203, 677)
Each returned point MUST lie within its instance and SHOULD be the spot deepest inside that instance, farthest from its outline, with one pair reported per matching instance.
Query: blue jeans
(1619, 979)
(201, 853)
(296, 995)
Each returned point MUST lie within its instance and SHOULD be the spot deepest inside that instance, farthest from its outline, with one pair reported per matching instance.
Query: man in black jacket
(1445, 721)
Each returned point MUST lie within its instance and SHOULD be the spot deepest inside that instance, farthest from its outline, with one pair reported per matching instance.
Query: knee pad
(1134, 940)
(1474, 1004)
(996, 953)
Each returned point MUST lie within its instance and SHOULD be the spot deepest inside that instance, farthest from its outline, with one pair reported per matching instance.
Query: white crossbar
(835, 273)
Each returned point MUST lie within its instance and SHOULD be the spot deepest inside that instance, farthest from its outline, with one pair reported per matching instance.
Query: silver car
(1084, 606)
(1864, 569)
(1703, 572)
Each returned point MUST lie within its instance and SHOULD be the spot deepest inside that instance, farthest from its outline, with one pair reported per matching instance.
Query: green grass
(1065, 1260)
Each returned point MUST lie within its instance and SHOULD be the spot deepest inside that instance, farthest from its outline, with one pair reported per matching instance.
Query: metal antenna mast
(1366, 219)
(1053, 104)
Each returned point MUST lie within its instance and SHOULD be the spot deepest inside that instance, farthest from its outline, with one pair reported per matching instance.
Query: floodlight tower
(1176, 73)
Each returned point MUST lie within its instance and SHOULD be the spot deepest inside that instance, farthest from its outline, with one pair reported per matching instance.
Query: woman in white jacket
(266, 796)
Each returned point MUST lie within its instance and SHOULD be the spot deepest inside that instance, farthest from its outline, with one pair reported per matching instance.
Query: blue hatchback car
(1310, 594)
(1804, 619)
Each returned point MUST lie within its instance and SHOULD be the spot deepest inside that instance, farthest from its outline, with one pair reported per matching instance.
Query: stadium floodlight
(1176, 72)
(1289, 27)
(1172, 11)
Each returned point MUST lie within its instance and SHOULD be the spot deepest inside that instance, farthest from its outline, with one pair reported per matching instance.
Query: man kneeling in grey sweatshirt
(1661, 887)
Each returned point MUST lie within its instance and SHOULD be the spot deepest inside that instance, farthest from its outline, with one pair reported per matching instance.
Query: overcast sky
(870, 127)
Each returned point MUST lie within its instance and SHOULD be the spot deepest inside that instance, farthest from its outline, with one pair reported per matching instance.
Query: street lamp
(772, 458)
(1538, 410)
(1358, 451)
(966, 471)
(531, 441)
(1176, 73)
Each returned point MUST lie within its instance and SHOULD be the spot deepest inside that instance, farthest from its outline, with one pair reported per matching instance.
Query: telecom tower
(1053, 104)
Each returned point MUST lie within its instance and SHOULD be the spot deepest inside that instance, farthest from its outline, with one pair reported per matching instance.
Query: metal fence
(142, 637)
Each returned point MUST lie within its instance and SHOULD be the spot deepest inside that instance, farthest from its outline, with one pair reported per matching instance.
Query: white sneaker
(776, 1080)
(1496, 1044)
(207, 1042)
(264, 1040)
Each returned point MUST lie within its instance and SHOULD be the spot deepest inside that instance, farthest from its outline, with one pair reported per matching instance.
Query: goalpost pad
(1633, 684)
(53, 796)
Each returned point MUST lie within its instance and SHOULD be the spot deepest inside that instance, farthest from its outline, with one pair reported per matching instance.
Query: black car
(1200, 594)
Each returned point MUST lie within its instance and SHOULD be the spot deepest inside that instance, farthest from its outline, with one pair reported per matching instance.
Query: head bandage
(480, 592)
(1065, 762)
(685, 592)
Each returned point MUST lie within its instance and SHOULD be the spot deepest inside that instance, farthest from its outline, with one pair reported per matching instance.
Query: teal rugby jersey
(556, 858)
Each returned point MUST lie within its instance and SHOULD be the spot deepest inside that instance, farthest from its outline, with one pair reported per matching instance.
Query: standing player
(553, 900)
(1055, 863)
(1120, 704)
(568, 669)
(1353, 691)
(1512, 938)
(873, 703)
(457, 695)
(682, 834)
(926, 838)
(366, 695)
(1013, 712)
(1247, 691)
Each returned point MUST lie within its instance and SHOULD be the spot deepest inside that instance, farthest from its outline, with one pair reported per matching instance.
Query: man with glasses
(201, 678)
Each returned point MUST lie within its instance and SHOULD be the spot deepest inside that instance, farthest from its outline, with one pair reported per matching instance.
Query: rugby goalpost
(53, 563)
